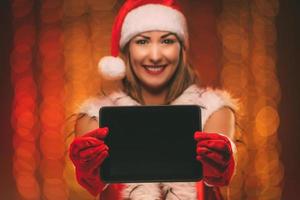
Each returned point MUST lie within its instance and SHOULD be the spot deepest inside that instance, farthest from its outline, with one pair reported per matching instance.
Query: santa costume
(134, 17)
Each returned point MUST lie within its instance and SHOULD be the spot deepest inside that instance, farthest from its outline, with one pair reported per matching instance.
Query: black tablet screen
(151, 143)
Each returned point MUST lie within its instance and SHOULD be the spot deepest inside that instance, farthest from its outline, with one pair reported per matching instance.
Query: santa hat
(137, 16)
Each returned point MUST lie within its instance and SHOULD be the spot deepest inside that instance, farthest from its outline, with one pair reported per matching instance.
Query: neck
(154, 97)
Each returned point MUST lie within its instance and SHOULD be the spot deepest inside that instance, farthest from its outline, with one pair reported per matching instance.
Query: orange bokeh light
(267, 121)
(52, 147)
(55, 189)
(28, 187)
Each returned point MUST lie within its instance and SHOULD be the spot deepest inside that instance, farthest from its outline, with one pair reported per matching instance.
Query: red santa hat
(137, 16)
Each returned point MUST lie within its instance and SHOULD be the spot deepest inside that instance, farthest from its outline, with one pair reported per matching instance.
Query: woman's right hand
(88, 153)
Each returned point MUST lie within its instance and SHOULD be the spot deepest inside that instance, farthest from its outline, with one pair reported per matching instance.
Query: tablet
(151, 143)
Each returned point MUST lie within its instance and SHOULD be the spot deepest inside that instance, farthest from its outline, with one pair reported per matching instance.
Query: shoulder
(206, 97)
(219, 108)
(215, 99)
(92, 105)
(85, 123)
(210, 100)
(221, 121)
(87, 114)
(223, 112)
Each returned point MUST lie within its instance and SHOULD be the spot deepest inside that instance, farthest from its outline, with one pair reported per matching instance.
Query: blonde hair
(183, 77)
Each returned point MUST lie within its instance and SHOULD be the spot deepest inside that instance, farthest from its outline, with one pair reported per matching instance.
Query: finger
(198, 135)
(211, 164)
(91, 156)
(82, 143)
(208, 169)
(101, 158)
(213, 156)
(92, 152)
(218, 158)
(84, 154)
(85, 142)
(99, 133)
(97, 162)
(216, 145)
(88, 166)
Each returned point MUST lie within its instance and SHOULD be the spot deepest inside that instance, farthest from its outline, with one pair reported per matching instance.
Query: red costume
(85, 154)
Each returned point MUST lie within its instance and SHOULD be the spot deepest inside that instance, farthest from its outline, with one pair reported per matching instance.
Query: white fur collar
(210, 101)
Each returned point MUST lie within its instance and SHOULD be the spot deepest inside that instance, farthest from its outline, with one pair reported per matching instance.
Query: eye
(168, 41)
(141, 41)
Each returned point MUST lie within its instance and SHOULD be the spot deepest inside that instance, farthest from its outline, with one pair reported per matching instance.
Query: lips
(155, 69)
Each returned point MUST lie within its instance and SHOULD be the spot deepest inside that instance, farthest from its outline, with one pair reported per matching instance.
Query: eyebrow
(164, 36)
(146, 37)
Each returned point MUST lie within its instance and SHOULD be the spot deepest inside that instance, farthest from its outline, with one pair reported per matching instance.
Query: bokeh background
(49, 54)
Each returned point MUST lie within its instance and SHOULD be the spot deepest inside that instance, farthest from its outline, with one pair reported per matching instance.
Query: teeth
(155, 69)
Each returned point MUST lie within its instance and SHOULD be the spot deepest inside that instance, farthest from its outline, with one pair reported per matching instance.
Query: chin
(155, 88)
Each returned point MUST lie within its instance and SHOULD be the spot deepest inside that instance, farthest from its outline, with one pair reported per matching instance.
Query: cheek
(173, 55)
(137, 55)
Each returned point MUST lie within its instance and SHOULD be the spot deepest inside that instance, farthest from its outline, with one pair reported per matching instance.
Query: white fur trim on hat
(154, 17)
(112, 68)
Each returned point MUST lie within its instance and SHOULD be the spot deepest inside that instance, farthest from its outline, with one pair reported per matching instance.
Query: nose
(155, 54)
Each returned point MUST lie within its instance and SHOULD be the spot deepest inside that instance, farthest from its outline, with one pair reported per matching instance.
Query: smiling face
(154, 58)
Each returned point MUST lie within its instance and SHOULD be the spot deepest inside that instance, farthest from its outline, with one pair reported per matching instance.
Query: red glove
(215, 153)
(87, 153)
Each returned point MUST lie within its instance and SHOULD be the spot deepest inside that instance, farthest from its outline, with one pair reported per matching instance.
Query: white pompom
(112, 68)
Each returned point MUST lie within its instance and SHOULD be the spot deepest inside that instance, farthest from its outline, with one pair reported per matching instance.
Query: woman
(152, 37)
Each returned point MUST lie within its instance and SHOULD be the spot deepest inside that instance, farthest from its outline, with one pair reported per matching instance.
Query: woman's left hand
(215, 153)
